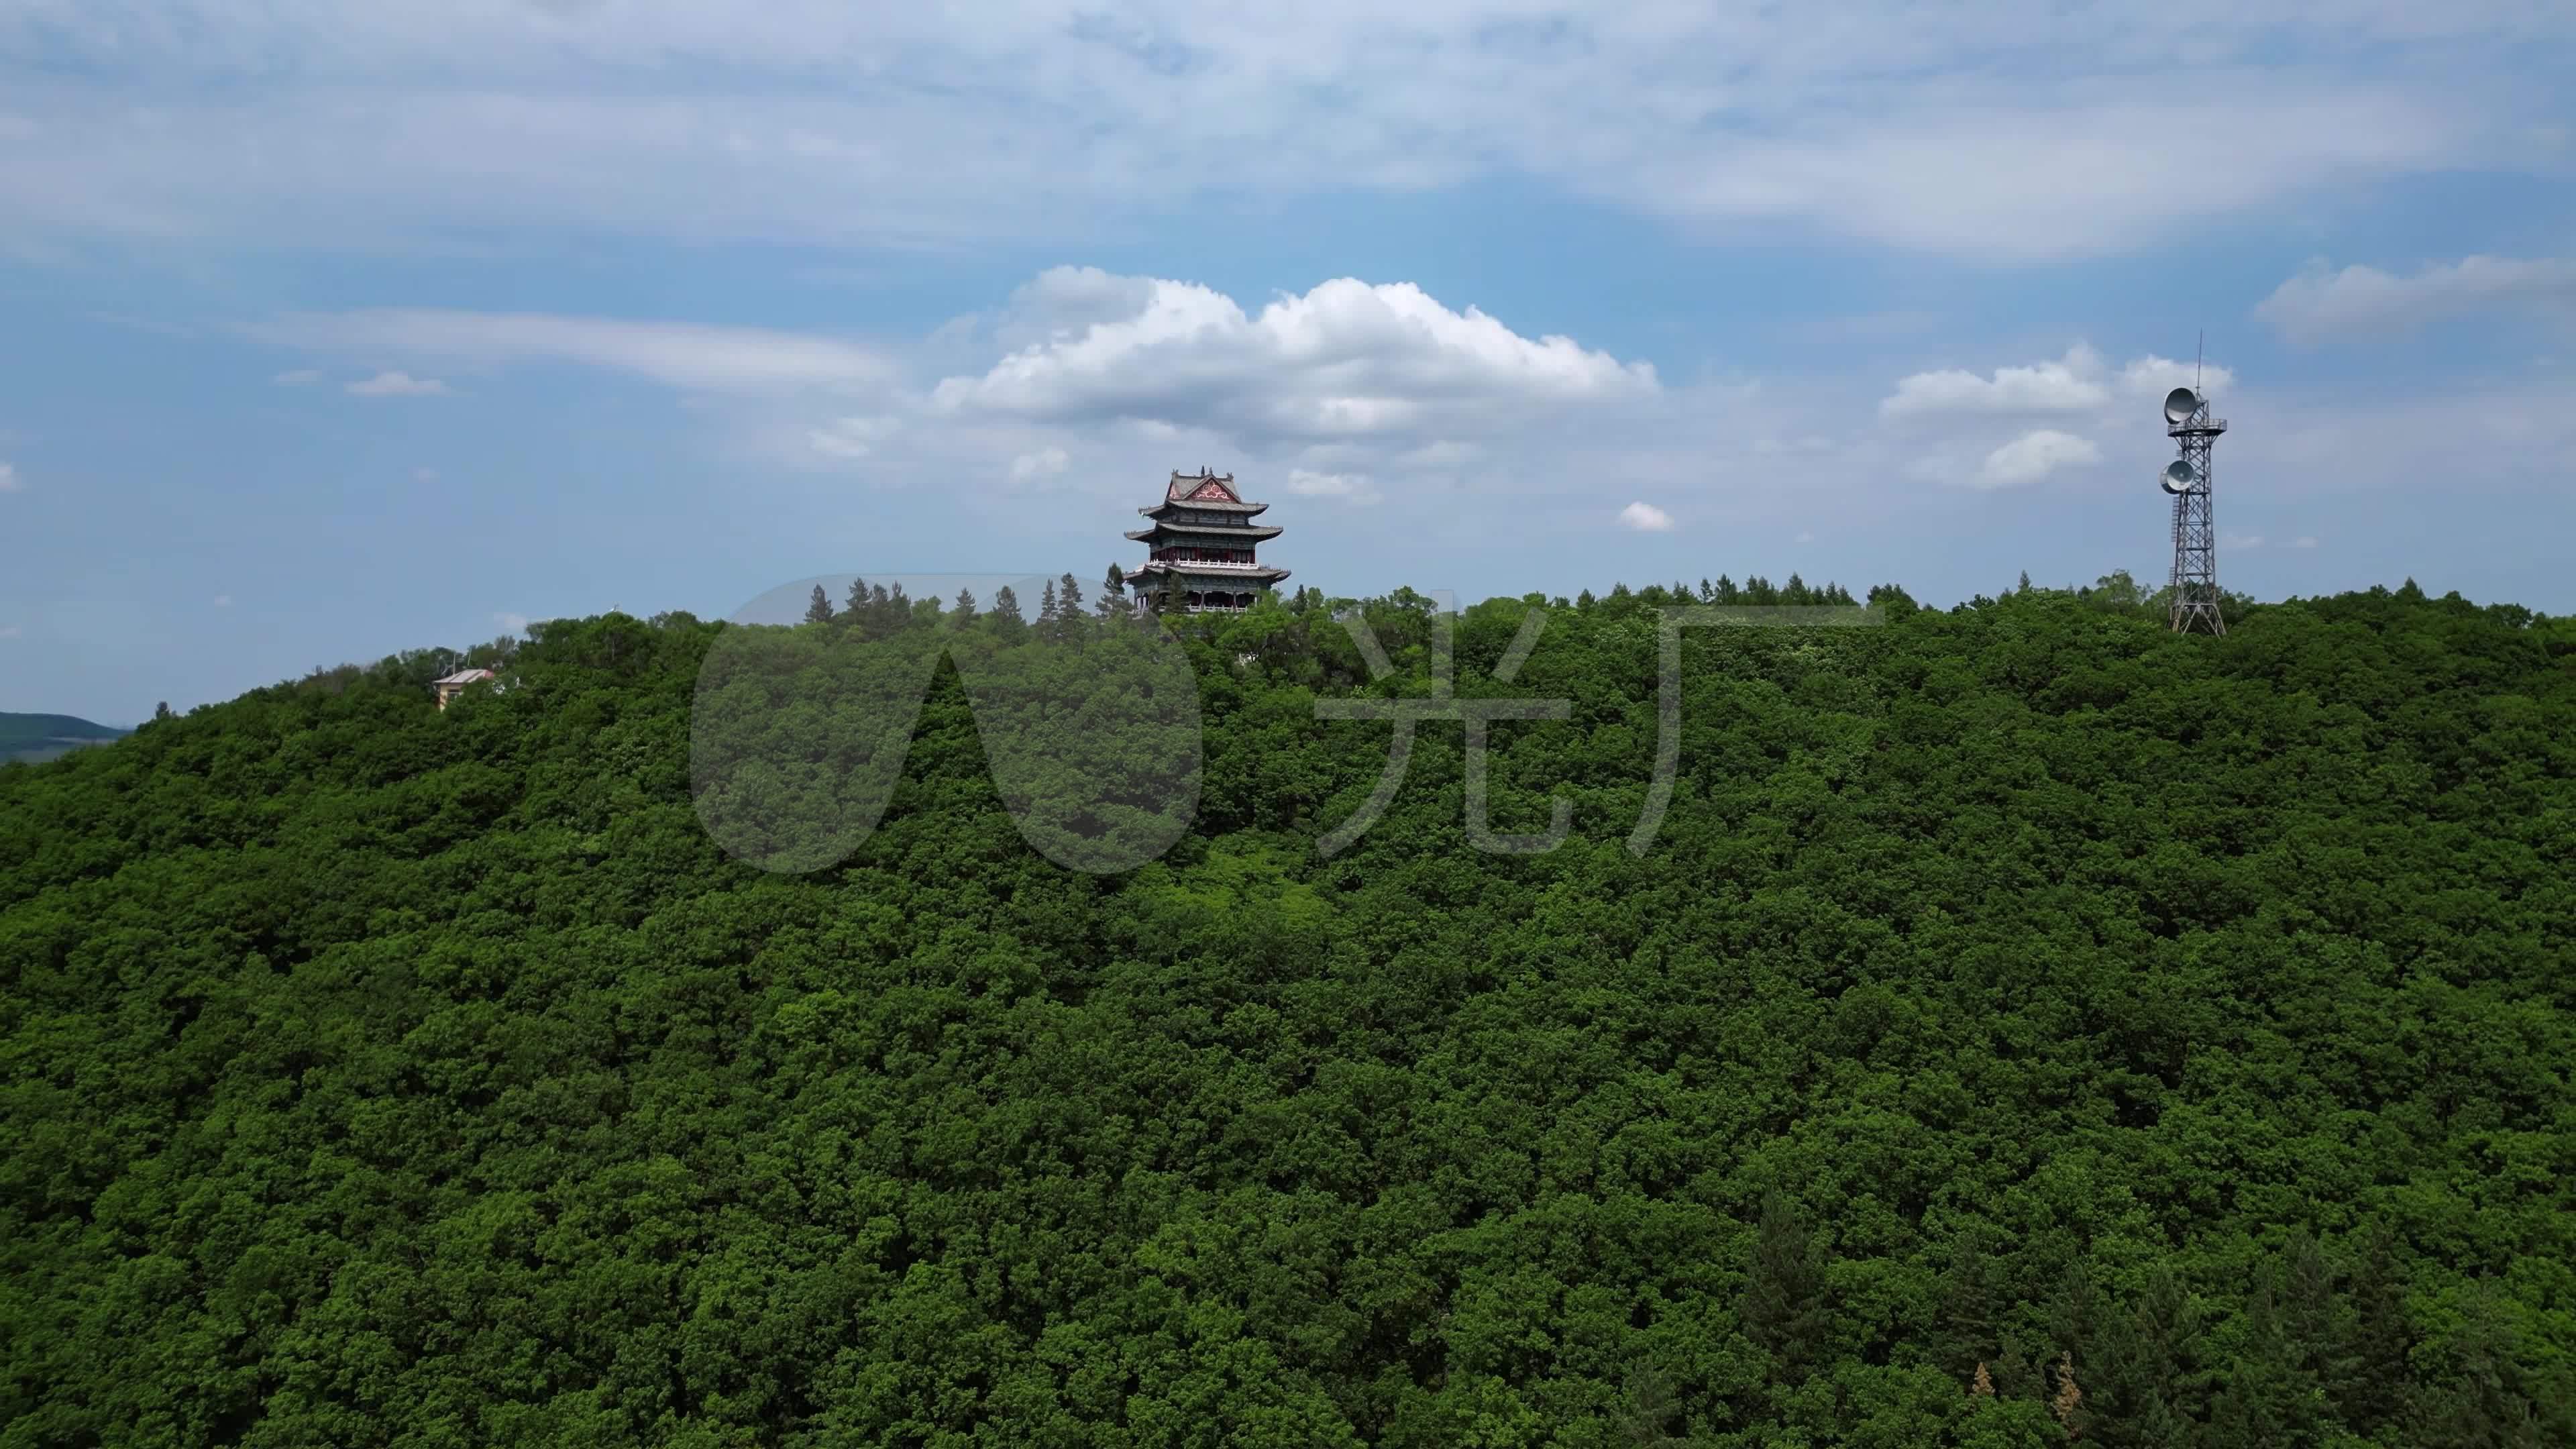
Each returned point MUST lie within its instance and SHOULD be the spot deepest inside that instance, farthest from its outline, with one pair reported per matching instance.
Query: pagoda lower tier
(1203, 585)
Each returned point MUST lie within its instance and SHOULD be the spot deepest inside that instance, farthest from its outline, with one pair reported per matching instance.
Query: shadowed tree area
(2027, 1027)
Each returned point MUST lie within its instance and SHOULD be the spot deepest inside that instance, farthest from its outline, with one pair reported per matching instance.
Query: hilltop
(39, 737)
(2026, 1022)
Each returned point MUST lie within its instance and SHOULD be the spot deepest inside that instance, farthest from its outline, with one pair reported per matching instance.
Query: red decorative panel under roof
(1202, 486)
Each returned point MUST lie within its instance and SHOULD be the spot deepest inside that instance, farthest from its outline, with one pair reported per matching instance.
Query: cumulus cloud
(1346, 360)
(683, 355)
(1646, 518)
(1044, 463)
(2033, 456)
(1350, 487)
(2071, 384)
(397, 384)
(851, 438)
(2152, 377)
(2321, 305)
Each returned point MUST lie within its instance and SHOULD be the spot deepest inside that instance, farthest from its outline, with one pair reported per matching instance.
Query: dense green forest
(2028, 1025)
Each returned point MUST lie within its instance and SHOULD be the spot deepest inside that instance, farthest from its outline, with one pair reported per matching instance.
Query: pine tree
(855, 607)
(1971, 1307)
(1068, 599)
(2373, 1378)
(162, 711)
(2068, 1402)
(1006, 605)
(2143, 1393)
(1784, 1307)
(965, 611)
(818, 609)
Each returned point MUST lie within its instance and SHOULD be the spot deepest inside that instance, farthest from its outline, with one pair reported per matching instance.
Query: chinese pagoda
(1199, 549)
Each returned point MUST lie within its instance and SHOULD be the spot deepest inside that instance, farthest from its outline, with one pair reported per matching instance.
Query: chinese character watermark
(1084, 708)
(1477, 716)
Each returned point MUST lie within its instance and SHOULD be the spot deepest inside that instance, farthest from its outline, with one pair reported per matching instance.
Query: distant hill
(39, 737)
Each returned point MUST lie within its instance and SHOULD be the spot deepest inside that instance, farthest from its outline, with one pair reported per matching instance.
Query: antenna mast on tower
(2195, 531)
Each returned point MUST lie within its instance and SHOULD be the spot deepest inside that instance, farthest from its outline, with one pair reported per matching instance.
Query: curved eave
(1263, 577)
(1246, 509)
(1212, 530)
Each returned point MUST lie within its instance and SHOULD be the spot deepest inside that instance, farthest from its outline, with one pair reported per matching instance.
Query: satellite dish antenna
(2180, 404)
(2178, 475)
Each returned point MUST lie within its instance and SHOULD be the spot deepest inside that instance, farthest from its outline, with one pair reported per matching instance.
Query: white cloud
(2320, 305)
(1045, 462)
(2304, 540)
(1646, 518)
(2033, 456)
(2240, 540)
(851, 438)
(1350, 487)
(2041, 132)
(684, 355)
(1345, 361)
(2072, 384)
(223, 601)
(10, 482)
(299, 377)
(513, 623)
(8, 631)
(424, 475)
(398, 384)
(2152, 377)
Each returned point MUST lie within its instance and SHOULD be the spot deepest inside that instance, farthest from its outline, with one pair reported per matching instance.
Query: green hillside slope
(2026, 1022)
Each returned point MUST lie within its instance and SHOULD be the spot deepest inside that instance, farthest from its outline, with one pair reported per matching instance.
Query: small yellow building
(455, 684)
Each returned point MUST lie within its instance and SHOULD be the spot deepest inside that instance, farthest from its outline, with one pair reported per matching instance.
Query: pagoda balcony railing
(1191, 565)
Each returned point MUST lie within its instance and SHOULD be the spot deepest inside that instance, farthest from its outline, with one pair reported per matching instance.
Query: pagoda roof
(1221, 530)
(1250, 573)
(1204, 489)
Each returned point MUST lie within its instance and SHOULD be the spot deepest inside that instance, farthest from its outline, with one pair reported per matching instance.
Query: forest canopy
(2026, 1024)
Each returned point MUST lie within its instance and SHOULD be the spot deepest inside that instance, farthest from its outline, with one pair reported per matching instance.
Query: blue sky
(336, 330)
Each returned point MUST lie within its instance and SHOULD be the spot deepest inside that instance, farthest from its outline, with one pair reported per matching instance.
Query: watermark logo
(1477, 715)
(1085, 709)
(1086, 713)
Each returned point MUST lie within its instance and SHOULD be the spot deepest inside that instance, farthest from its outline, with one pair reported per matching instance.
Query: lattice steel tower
(2195, 531)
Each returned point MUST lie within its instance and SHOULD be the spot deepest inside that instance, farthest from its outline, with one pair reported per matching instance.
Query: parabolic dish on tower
(2178, 475)
(2180, 404)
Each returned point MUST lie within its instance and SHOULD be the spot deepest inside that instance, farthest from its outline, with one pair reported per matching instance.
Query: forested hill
(39, 737)
(2026, 1023)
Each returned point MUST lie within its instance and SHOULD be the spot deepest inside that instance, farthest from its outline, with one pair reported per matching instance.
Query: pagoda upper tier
(1201, 545)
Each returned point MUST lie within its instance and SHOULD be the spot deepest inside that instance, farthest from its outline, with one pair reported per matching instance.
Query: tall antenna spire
(2197, 349)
